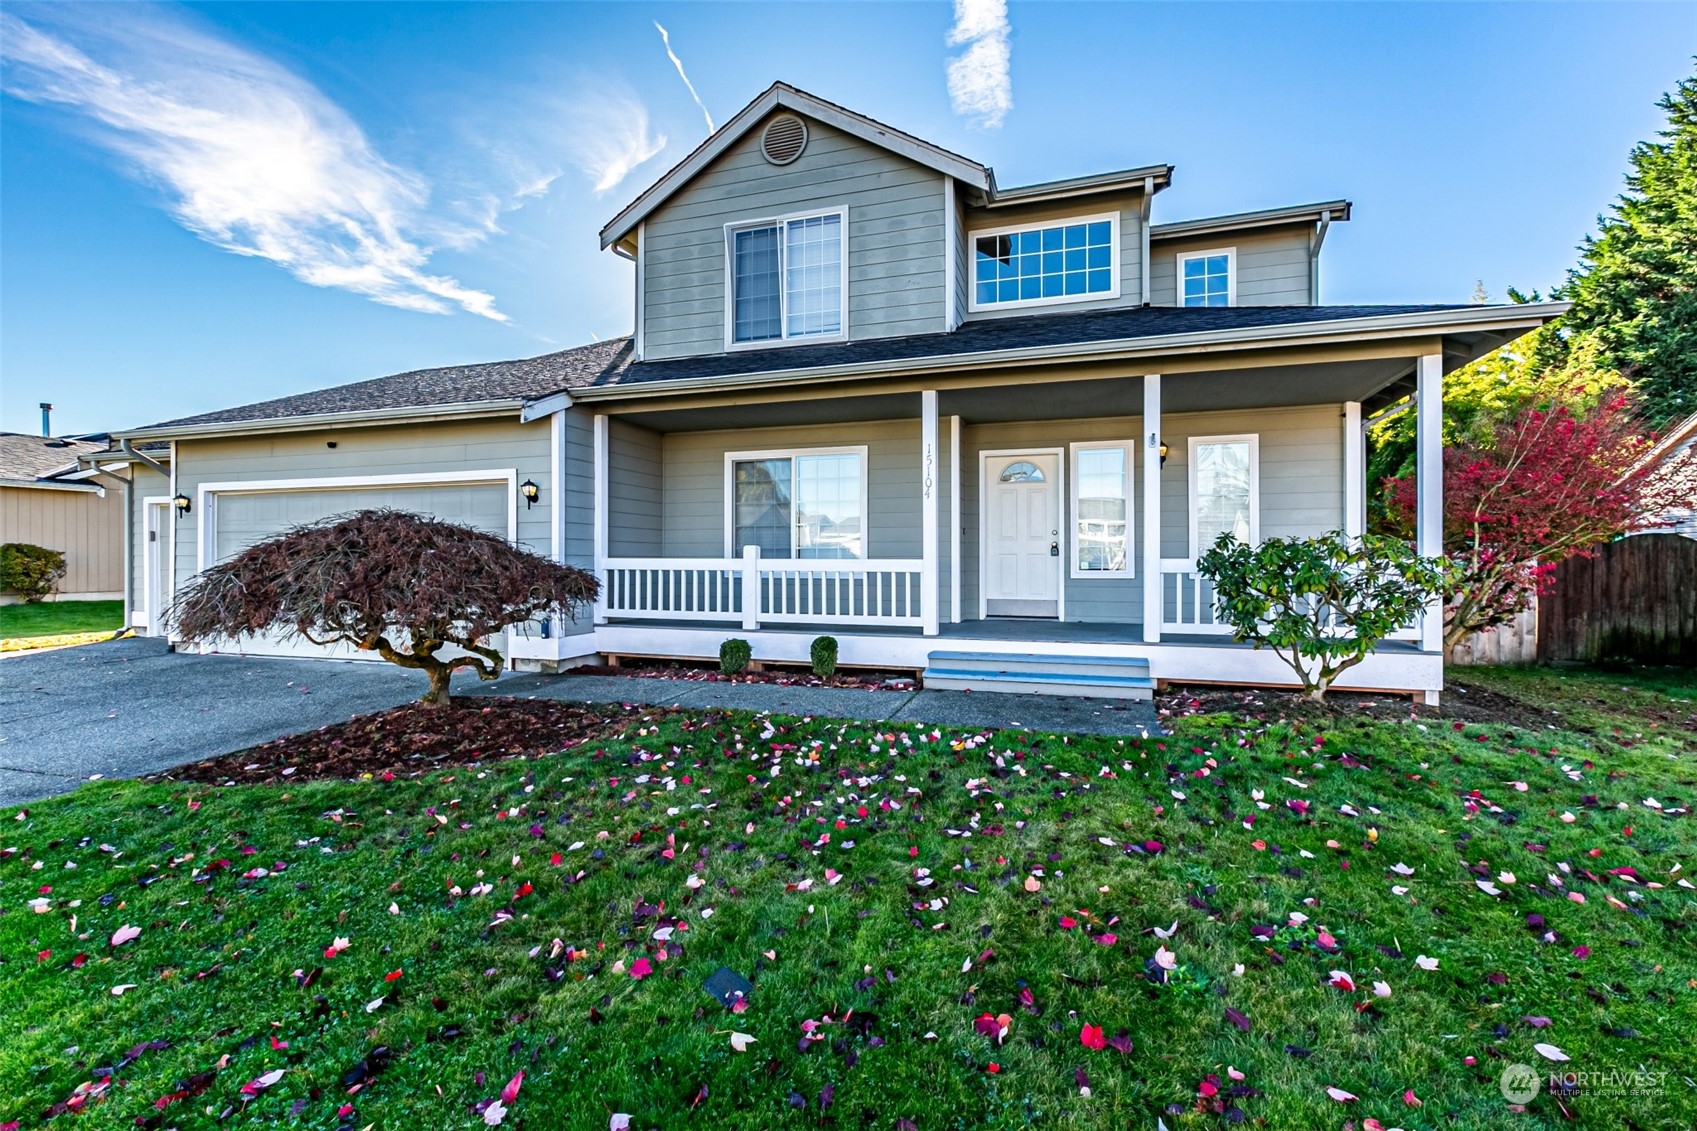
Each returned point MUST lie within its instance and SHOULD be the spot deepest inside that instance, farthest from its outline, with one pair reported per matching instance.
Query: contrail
(679, 64)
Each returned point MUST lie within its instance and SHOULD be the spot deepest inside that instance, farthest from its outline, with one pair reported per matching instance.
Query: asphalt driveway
(132, 707)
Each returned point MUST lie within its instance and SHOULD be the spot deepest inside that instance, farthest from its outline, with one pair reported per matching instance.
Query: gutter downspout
(1314, 242)
(1148, 206)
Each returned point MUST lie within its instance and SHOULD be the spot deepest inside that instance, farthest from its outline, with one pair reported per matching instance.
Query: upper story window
(1208, 278)
(787, 279)
(1051, 262)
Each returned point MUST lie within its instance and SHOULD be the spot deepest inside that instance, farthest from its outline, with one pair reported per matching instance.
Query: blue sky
(215, 204)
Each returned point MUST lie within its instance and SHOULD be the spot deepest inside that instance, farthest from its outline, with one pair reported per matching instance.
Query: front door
(1022, 558)
(155, 525)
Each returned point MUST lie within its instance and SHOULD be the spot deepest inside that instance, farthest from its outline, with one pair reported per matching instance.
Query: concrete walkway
(132, 707)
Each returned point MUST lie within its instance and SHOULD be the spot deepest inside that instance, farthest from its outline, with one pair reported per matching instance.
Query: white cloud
(679, 64)
(979, 85)
(254, 159)
(609, 136)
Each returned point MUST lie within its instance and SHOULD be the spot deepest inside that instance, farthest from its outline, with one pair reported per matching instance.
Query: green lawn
(883, 888)
(58, 618)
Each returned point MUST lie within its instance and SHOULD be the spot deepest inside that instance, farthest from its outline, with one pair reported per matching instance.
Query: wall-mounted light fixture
(181, 502)
(1163, 453)
(531, 493)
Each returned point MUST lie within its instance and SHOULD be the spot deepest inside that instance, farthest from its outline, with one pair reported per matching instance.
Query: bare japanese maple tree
(1552, 481)
(420, 593)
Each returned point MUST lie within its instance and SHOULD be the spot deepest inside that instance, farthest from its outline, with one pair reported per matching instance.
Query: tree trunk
(440, 676)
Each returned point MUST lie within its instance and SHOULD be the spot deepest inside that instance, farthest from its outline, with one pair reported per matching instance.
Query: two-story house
(977, 430)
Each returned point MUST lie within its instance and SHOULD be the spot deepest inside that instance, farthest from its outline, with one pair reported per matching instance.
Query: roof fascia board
(544, 406)
(1271, 217)
(51, 485)
(1525, 316)
(1082, 186)
(314, 421)
(779, 95)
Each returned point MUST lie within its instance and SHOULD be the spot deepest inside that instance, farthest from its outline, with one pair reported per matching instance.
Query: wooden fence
(1635, 599)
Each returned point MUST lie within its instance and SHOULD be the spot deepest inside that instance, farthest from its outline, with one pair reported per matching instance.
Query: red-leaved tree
(1550, 482)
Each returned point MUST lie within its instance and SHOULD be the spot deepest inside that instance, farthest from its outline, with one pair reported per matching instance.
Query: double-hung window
(1101, 510)
(1056, 261)
(787, 279)
(1225, 490)
(1208, 278)
(802, 504)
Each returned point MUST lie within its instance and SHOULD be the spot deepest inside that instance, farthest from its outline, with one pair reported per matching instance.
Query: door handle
(1054, 549)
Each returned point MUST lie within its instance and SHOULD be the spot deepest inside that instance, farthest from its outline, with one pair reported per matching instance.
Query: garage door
(242, 519)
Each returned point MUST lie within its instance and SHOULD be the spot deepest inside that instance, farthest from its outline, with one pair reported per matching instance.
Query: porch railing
(752, 591)
(1187, 604)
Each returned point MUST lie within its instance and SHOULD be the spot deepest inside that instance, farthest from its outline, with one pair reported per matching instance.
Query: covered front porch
(1006, 510)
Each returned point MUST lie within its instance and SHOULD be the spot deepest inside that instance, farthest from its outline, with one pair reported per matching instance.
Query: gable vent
(784, 140)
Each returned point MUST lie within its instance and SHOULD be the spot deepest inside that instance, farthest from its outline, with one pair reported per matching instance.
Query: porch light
(181, 502)
(531, 493)
(1163, 453)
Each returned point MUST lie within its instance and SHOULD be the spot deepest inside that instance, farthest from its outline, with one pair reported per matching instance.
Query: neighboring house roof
(606, 368)
(26, 460)
(1333, 210)
(1670, 488)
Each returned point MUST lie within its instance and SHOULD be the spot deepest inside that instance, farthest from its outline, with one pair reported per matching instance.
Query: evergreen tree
(1635, 291)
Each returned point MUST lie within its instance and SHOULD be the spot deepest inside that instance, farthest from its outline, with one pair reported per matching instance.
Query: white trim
(544, 406)
(1354, 472)
(1130, 570)
(928, 534)
(954, 520)
(1146, 209)
(1154, 610)
(782, 222)
(170, 591)
(951, 263)
(733, 458)
(637, 333)
(1231, 272)
(601, 445)
(557, 488)
(208, 493)
(153, 591)
(1253, 439)
(1113, 291)
(1429, 483)
(985, 455)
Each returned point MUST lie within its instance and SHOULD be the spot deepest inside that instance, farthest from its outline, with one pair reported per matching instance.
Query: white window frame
(1130, 570)
(972, 237)
(734, 458)
(1231, 274)
(731, 229)
(1254, 441)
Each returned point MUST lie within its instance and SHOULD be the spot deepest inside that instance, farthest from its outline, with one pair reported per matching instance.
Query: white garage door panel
(243, 520)
(240, 520)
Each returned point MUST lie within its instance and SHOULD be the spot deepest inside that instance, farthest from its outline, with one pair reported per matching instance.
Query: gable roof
(25, 458)
(783, 96)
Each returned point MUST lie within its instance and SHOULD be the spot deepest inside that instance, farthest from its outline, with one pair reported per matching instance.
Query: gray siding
(394, 450)
(634, 460)
(694, 515)
(1127, 205)
(895, 238)
(1272, 265)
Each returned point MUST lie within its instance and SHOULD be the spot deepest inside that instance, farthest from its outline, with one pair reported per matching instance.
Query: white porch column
(751, 587)
(600, 502)
(954, 518)
(1354, 472)
(1429, 482)
(928, 535)
(1152, 604)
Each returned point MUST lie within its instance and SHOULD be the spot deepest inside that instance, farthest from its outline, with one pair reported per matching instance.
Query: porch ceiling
(1263, 387)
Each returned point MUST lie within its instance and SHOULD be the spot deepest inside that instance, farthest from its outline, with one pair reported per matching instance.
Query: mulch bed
(1460, 702)
(409, 741)
(779, 674)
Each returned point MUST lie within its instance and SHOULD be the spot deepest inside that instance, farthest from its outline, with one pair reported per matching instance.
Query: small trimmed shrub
(734, 656)
(32, 572)
(824, 653)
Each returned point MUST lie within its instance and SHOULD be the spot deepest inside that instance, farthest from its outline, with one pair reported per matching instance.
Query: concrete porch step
(1097, 677)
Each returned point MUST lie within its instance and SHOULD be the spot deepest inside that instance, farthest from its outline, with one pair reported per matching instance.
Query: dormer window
(1208, 278)
(1056, 261)
(786, 279)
